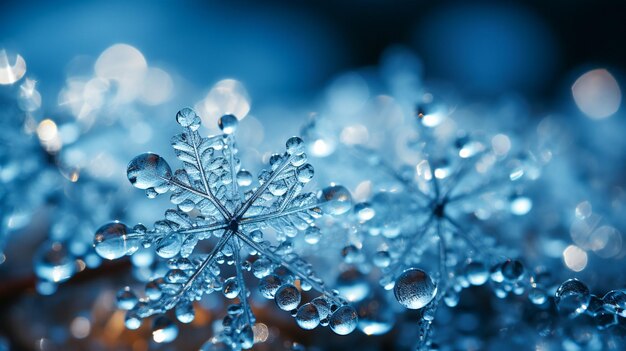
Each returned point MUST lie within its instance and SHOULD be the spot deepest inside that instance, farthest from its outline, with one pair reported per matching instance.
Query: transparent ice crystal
(222, 228)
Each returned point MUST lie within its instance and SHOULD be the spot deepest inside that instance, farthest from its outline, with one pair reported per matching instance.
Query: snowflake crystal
(214, 201)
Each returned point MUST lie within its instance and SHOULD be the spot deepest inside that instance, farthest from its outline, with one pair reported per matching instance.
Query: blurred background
(86, 85)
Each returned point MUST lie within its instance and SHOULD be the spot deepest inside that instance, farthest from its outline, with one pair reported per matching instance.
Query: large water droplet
(164, 330)
(307, 316)
(287, 297)
(228, 124)
(149, 171)
(414, 289)
(344, 320)
(572, 297)
(113, 241)
(336, 199)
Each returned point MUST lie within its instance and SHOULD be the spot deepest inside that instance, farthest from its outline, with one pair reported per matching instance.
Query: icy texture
(215, 204)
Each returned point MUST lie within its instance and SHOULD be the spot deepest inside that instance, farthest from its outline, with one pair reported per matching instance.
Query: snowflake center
(233, 225)
(439, 208)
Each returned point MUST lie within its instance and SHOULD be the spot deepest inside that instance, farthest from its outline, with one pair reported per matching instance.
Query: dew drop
(307, 316)
(312, 235)
(126, 299)
(149, 171)
(295, 146)
(261, 267)
(132, 321)
(287, 297)
(185, 312)
(414, 289)
(364, 211)
(228, 124)
(305, 173)
(382, 259)
(353, 285)
(572, 297)
(336, 199)
(476, 273)
(244, 178)
(231, 288)
(113, 241)
(615, 302)
(54, 263)
(268, 286)
(344, 320)
(188, 118)
(164, 330)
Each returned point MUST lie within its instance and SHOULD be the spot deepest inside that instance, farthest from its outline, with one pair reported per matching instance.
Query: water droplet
(188, 118)
(364, 211)
(572, 297)
(231, 288)
(312, 235)
(185, 312)
(344, 320)
(305, 173)
(537, 296)
(268, 286)
(54, 263)
(149, 171)
(169, 246)
(323, 306)
(295, 146)
(307, 316)
(113, 241)
(336, 199)
(376, 317)
(512, 270)
(228, 124)
(476, 273)
(126, 299)
(353, 285)
(261, 267)
(164, 330)
(414, 289)
(382, 259)
(615, 302)
(287, 297)
(132, 321)
(244, 178)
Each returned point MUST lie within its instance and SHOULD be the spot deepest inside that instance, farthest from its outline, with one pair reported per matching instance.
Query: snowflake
(440, 214)
(215, 204)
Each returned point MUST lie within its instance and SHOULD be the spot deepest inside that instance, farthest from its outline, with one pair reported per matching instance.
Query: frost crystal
(215, 204)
